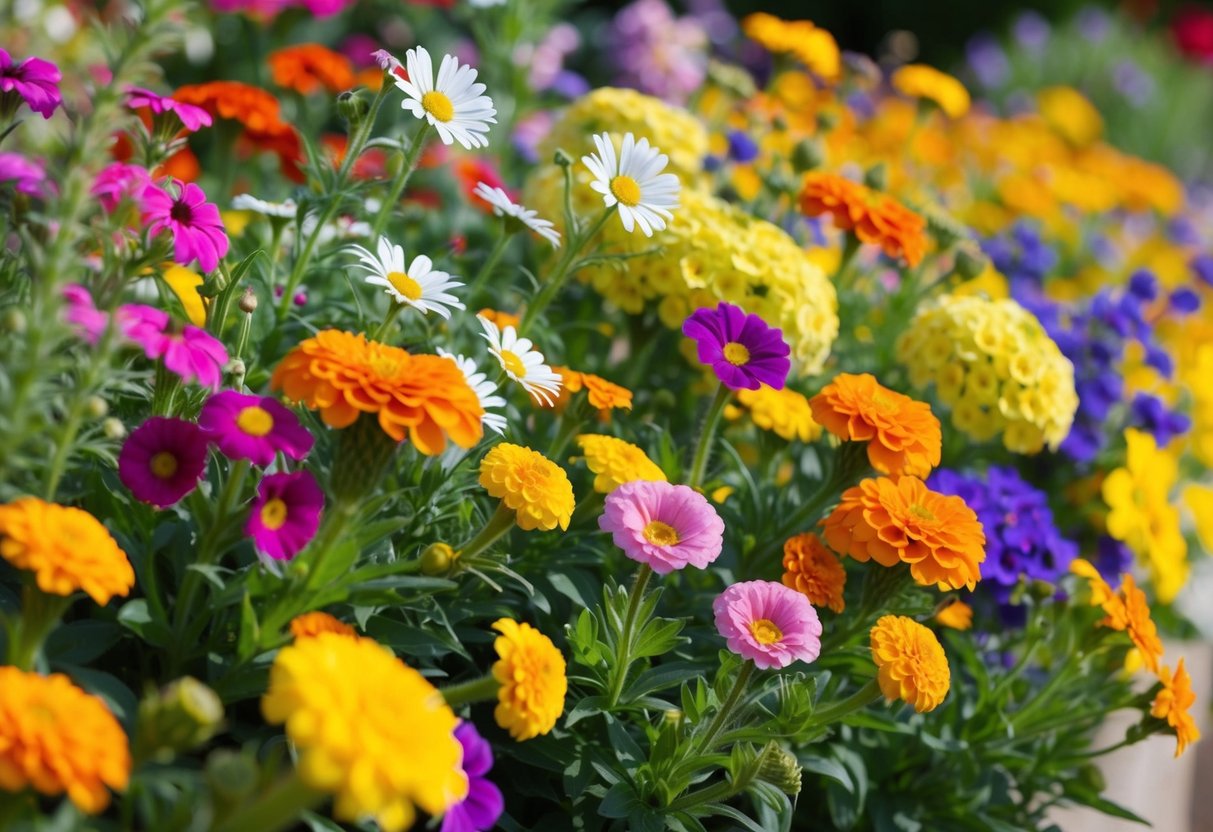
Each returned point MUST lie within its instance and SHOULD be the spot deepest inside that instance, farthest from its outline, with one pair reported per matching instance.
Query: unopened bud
(352, 107)
(970, 262)
(231, 775)
(113, 428)
(877, 177)
(178, 717)
(563, 159)
(14, 321)
(672, 717)
(437, 559)
(96, 407)
(827, 121)
(807, 155)
(780, 768)
(248, 302)
(236, 370)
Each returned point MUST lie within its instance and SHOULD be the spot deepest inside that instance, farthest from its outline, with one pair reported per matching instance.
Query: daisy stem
(858, 700)
(483, 689)
(623, 648)
(485, 270)
(564, 267)
(703, 450)
(704, 743)
(388, 320)
(411, 158)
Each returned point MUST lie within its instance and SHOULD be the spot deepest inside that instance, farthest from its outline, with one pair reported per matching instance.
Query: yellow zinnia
(531, 674)
(535, 488)
(615, 462)
(785, 412)
(922, 81)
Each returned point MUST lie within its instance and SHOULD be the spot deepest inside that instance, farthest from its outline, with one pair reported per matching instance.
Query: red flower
(1192, 28)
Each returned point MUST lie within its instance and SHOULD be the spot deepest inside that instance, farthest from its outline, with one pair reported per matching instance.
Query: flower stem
(623, 648)
(485, 270)
(858, 700)
(276, 808)
(500, 523)
(704, 743)
(40, 612)
(388, 320)
(564, 268)
(703, 450)
(842, 277)
(411, 158)
(712, 794)
(483, 689)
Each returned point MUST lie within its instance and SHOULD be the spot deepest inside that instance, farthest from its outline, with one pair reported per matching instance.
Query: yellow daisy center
(660, 534)
(273, 514)
(164, 465)
(736, 354)
(255, 421)
(626, 190)
(405, 285)
(438, 105)
(921, 512)
(513, 364)
(765, 631)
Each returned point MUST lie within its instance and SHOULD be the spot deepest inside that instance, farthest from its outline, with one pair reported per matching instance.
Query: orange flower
(603, 395)
(1172, 704)
(812, 570)
(252, 106)
(1141, 627)
(958, 615)
(314, 623)
(903, 435)
(902, 521)
(502, 319)
(422, 397)
(813, 47)
(1102, 594)
(910, 661)
(876, 218)
(309, 67)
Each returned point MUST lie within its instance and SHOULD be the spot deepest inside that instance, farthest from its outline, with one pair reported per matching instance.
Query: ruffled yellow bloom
(922, 81)
(785, 412)
(1173, 703)
(531, 673)
(530, 484)
(615, 462)
(314, 623)
(911, 664)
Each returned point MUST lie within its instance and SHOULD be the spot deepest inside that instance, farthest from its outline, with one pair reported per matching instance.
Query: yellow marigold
(66, 548)
(531, 673)
(530, 484)
(314, 623)
(872, 216)
(369, 729)
(814, 571)
(902, 521)
(922, 81)
(502, 319)
(812, 46)
(958, 615)
(785, 412)
(903, 435)
(911, 664)
(424, 398)
(615, 462)
(603, 395)
(56, 738)
(1172, 704)
(1070, 114)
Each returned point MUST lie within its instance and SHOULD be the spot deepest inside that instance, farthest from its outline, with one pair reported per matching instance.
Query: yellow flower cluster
(615, 462)
(995, 367)
(785, 412)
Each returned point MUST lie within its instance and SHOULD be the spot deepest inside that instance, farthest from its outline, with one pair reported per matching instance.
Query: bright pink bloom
(285, 514)
(27, 176)
(263, 9)
(192, 117)
(768, 623)
(194, 223)
(665, 526)
(118, 181)
(188, 351)
(253, 427)
(36, 81)
(162, 460)
(325, 8)
(89, 321)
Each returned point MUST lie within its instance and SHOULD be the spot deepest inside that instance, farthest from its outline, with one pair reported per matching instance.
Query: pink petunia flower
(27, 176)
(118, 181)
(188, 351)
(285, 514)
(192, 117)
(768, 623)
(197, 230)
(253, 427)
(665, 526)
(162, 460)
(81, 313)
(34, 80)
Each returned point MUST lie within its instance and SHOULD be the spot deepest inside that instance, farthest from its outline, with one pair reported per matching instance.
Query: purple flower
(987, 60)
(658, 53)
(36, 81)
(1185, 301)
(742, 148)
(741, 349)
(1093, 23)
(285, 514)
(27, 176)
(1202, 267)
(188, 351)
(662, 525)
(1151, 414)
(484, 803)
(118, 181)
(81, 313)
(1031, 31)
(162, 460)
(191, 117)
(194, 223)
(768, 623)
(255, 428)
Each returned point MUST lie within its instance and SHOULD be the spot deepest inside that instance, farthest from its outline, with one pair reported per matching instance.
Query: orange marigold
(902, 521)
(1141, 629)
(875, 218)
(422, 397)
(253, 107)
(314, 623)
(1172, 704)
(309, 67)
(66, 548)
(603, 395)
(814, 571)
(56, 738)
(903, 435)
(958, 615)
(502, 319)
(910, 661)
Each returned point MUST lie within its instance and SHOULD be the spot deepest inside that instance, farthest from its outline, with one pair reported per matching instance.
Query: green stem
(40, 612)
(216, 318)
(402, 178)
(704, 742)
(500, 523)
(570, 424)
(842, 277)
(334, 524)
(564, 268)
(485, 270)
(857, 701)
(277, 808)
(98, 358)
(712, 794)
(388, 320)
(623, 648)
(703, 450)
(483, 689)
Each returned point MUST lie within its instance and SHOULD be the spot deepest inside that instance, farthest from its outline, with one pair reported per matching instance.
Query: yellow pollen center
(883, 404)
(736, 354)
(438, 105)
(765, 631)
(513, 364)
(660, 534)
(273, 514)
(921, 512)
(164, 465)
(405, 285)
(255, 421)
(626, 190)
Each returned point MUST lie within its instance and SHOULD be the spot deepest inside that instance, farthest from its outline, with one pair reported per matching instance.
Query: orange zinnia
(603, 395)
(1172, 704)
(875, 218)
(1141, 629)
(814, 571)
(309, 67)
(900, 520)
(252, 106)
(422, 397)
(314, 623)
(903, 435)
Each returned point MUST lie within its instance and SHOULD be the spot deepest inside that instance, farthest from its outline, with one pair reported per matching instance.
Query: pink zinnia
(36, 81)
(253, 427)
(89, 321)
(194, 223)
(188, 351)
(285, 514)
(768, 623)
(192, 117)
(118, 181)
(27, 176)
(162, 460)
(665, 526)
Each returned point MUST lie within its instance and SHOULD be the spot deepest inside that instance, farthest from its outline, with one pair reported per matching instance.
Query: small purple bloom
(1031, 31)
(192, 117)
(1143, 285)
(36, 81)
(27, 176)
(1151, 414)
(1202, 267)
(194, 223)
(743, 351)
(482, 807)
(255, 428)
(1093, 23)
(162, 460)
(285, 514)
(742, 148)
(987, 60)
(1185, 301)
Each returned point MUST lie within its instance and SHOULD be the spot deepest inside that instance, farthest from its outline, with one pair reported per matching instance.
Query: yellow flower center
(736, 354)
(626, 190)
(660, 534)
(921, 512)
(884, 404)
(405, 285)
(438, 105)
(765, 631)
(164, 465)
(273, 514)
(513, 364)
(255, 421)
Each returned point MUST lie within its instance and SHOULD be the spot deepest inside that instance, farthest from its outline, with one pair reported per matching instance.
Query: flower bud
(970, 262)
(113, 428)
(248, 302)
(827, 121)
(807, 155)
(96, 407)
(14, 321)
(780, 768)
(178, 717)
(877, 177)
(437, 559)
(231, 775)
(236, 370)
(563, 159)
(352, 107)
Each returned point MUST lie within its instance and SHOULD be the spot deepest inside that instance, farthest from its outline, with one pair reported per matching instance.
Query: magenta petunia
(285, 514)
(192, 117)
(663, 525)
(482, 807)
(118, 181)
(188, 351)
(253, 427)
(743, 351)
(195, 224)
(27, 176)
(82, 314)
(162, 460)
(36, 81)
(768, 623)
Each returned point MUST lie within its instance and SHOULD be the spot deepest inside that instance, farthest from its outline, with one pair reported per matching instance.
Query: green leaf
(250, 629)
(80, 642)
(659, 636)
(619, 801)
(135, 616)
(589, 706)
(622, 744)
(117, 696)
(662, 677)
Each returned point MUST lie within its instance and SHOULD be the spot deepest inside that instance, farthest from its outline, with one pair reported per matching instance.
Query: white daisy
(454, 103)
(484, 389)
(421, 286)
(247, 202)
(635, 183)
(504, 206)
(521, 361)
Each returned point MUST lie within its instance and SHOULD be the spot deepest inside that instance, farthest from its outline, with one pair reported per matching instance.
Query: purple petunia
(253, 427)
(191, 117)
(34, 80)
(188, 351)
(484, 803)
(197, 229)
(285, 514)
(162, 460)
(743, 351)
